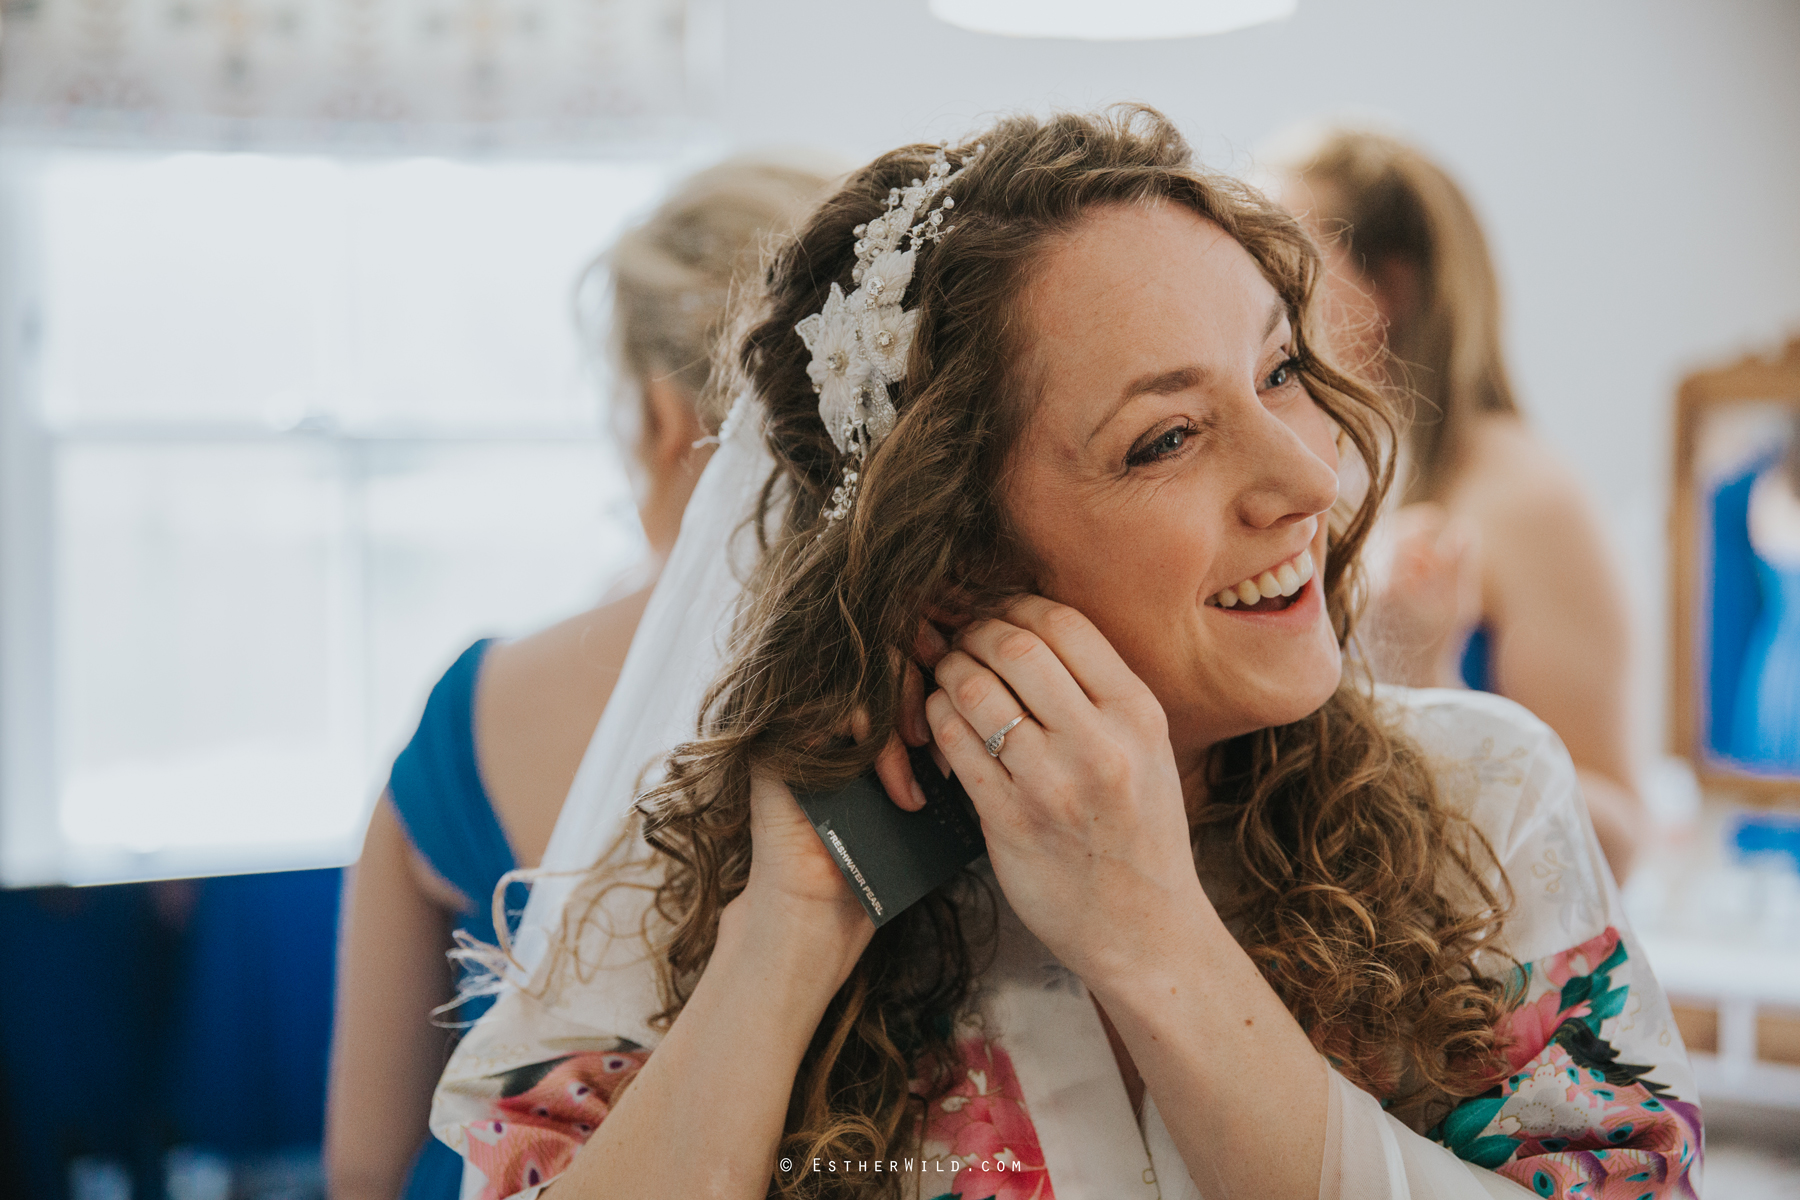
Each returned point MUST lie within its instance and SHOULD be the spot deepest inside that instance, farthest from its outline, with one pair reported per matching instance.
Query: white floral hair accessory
(859, 342)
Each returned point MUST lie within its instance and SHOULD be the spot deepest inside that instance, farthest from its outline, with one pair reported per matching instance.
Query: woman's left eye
(1283, 374)
(1161, 446)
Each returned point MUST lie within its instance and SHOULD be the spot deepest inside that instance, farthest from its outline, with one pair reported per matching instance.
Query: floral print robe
(1599, 1103)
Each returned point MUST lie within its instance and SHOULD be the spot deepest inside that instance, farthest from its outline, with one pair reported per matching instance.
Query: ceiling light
(1109, 20)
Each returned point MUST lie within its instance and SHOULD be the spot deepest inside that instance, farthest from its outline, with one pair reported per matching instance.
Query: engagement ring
(999, 739)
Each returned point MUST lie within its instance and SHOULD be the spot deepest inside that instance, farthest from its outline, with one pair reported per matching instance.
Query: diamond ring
(999, 739)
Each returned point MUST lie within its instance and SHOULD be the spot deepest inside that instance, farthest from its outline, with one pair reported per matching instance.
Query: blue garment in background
(252, 1035)
(189, 1013)
(1765, 725)
(1730, 601)
(1753, 643)
(1477, 667)
(436, 790)
(83, 1035)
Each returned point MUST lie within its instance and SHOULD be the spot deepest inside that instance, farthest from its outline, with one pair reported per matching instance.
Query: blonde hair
(1387, 201)
(655, 302)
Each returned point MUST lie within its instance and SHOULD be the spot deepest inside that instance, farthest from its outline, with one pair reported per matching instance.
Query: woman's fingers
(961, 746)
(1053, 659)
(986, 706)
(1079, 646)
(1030, 669)
(979, 695)
(929, 645)
(891, 766)
(982, 682)
(895, 771)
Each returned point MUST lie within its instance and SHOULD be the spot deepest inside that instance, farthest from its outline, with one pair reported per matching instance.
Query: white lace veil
(675, 656)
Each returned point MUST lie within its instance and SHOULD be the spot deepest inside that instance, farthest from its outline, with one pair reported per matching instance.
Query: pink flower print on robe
(981, 1122)
(1574, 1120)
(1584, 959)
(1531, 1026)
(545, 1113)
(1580, 1134)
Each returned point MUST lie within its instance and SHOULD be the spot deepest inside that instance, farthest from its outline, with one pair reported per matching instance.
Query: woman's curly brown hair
(1364, 901)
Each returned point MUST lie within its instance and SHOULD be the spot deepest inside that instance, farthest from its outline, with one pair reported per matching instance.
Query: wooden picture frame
(1748, 390)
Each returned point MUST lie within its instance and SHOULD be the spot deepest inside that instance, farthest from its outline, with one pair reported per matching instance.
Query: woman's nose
(1288, 478)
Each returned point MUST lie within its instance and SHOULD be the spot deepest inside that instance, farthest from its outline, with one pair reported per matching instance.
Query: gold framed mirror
(1735, 567)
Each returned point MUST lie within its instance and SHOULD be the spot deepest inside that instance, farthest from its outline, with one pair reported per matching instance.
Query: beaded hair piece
(859, 342)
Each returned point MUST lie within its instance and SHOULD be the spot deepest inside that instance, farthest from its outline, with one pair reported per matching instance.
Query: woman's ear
(945, 618)
(1398, 284)
(671, 426)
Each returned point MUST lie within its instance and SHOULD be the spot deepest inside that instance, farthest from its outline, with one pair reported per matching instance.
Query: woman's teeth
(1283, 581)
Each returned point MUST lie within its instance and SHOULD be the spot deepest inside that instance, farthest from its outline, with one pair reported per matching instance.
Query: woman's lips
(1269, 591)
(1298, 609)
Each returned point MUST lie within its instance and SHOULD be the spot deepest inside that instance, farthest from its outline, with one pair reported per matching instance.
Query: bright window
(281, 437)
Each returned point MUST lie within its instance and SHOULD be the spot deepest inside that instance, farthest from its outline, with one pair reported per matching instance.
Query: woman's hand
(786, 944)
(792, 875)
(1083, 810)
(795, 890)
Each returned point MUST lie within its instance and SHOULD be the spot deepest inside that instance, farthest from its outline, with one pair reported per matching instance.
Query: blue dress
(1732, 603)
(436, 791)
(1477, 667)
(1765, 728)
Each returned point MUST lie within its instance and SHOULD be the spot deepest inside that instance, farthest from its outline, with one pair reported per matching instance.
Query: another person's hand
(1428, 599)
(1083, 809)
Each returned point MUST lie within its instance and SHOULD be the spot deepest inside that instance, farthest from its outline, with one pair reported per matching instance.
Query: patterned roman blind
(383, 76)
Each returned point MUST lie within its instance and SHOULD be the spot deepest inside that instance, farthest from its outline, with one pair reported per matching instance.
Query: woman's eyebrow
(1179, 379)
(1165, 383)
(1277, 311)
(1161, 383)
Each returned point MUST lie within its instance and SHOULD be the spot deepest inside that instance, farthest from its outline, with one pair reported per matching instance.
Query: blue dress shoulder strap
(1477, 666)
(436, 790)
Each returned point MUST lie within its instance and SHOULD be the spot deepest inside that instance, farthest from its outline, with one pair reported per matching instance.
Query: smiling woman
(1247, 926)
(1197, 481)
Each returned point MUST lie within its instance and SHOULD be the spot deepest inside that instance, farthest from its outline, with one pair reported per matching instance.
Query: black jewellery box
(892, 858)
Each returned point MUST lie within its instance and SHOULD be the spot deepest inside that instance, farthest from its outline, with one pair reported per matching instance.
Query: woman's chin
(1300, 695)
(1269, 696)
(1287, 663)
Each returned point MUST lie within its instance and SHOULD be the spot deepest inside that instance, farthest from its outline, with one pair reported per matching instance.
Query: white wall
(1637, 163)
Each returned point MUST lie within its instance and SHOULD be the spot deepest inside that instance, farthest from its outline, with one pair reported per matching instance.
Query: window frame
(34, 850)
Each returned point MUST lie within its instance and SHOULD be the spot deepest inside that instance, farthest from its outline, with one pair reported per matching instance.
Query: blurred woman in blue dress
(476, 792)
